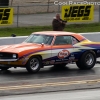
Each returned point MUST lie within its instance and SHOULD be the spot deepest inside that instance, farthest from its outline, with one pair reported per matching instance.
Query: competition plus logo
(63, 54)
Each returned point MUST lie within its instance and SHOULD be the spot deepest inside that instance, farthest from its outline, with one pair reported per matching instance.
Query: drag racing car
(45, 48)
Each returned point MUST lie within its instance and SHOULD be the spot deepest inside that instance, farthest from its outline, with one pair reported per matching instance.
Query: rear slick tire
(87, 61)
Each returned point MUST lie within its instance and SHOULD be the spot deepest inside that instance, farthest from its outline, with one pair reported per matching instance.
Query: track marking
(49, 84)
(46, 79)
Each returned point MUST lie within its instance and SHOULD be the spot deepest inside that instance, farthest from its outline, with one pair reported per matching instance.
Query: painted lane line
(46, 79)
(49, 84)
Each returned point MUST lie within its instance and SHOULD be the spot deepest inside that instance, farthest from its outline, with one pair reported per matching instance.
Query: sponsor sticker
(6, 16)
(77, 13)
(52, 61)
(63, 54)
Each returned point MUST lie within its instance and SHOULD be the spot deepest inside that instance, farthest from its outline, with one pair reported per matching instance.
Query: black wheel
(60, 65)
(4, 68)
(87, 60)
(34, 64)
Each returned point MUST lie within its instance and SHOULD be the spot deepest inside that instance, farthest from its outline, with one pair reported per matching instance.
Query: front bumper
(12, 62)
(6, 60)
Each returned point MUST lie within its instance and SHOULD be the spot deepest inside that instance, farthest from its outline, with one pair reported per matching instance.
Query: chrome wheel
(89, 59)
(34, 64)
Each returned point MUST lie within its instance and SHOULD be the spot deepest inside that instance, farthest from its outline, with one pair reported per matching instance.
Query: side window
(63, 40)
(68, 39)
(74, 41)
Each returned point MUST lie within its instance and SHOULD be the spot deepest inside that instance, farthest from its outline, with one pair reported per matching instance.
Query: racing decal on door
(63, 54)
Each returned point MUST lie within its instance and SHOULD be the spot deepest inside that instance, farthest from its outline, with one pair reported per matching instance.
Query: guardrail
(12, 40)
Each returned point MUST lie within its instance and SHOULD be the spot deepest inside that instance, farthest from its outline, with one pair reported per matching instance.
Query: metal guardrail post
(99, 13)
(48, 6)
(58, 8)
(11, 2)
(17, 16)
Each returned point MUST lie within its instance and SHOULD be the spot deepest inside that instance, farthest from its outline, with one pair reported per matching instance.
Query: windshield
(38, 38)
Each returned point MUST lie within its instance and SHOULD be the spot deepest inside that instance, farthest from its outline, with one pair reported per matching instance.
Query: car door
(46, 49)
(62, 49)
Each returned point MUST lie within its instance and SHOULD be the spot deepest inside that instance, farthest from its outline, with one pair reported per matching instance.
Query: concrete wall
(34, 6)
(24, 2)
(12, 40)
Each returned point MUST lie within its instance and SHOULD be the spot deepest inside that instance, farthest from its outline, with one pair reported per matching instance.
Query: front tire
(34, 64)
(87, 61)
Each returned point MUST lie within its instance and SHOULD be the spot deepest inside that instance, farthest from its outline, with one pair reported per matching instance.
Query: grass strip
(24, 31)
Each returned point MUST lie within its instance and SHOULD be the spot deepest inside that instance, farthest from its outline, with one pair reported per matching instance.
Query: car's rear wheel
(34, 64)
(87, 60)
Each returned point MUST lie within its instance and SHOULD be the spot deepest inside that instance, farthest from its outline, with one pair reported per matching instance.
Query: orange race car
(50, 48)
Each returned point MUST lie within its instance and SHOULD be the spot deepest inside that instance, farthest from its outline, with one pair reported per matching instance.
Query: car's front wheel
(87, 60)
(34, 64)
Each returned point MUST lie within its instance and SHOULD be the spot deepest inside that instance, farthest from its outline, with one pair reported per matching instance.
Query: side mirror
(42, 44)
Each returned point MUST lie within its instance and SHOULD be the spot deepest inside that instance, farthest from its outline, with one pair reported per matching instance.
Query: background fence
(40, 14)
